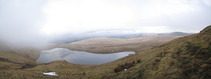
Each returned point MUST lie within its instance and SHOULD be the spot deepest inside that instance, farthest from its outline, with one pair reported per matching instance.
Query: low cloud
(31, 22)
(21, 21)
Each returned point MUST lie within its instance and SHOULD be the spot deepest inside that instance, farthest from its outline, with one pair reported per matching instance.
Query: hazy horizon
(35, 21)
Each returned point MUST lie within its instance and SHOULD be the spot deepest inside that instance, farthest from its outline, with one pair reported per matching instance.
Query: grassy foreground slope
(183, 58)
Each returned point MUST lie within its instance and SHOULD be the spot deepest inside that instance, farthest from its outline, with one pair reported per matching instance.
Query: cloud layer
(30, 21)
(82, 15)
(21, 21)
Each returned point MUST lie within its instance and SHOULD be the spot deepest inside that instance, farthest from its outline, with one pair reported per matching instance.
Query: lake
(79, 57)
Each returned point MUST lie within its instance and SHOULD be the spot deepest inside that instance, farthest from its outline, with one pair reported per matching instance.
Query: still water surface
(79, 57)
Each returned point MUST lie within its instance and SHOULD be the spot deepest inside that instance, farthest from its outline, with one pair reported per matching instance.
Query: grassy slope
(186, 57)
(12, 65)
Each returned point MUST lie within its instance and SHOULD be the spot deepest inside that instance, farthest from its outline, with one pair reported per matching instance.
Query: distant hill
(69, 38)
(112, 45)
(177, 34)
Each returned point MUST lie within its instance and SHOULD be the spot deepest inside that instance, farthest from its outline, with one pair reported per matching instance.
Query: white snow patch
(125, 69)
(50, 73)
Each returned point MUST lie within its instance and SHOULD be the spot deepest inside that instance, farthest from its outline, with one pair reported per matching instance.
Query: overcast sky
(30, 20)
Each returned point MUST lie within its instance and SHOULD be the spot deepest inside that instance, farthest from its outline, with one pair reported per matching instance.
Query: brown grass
(111, 45)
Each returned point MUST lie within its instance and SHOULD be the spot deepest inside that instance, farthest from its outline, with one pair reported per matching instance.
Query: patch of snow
(50, 73)
(125, 69)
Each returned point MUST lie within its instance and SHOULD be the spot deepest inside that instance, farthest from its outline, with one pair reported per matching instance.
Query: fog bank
(35, 22)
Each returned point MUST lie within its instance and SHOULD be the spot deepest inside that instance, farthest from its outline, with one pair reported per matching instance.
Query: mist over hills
(105, 39)
(113, 41)
(115, 33)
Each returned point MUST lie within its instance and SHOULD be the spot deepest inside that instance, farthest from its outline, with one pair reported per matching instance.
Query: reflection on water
(79, 57)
